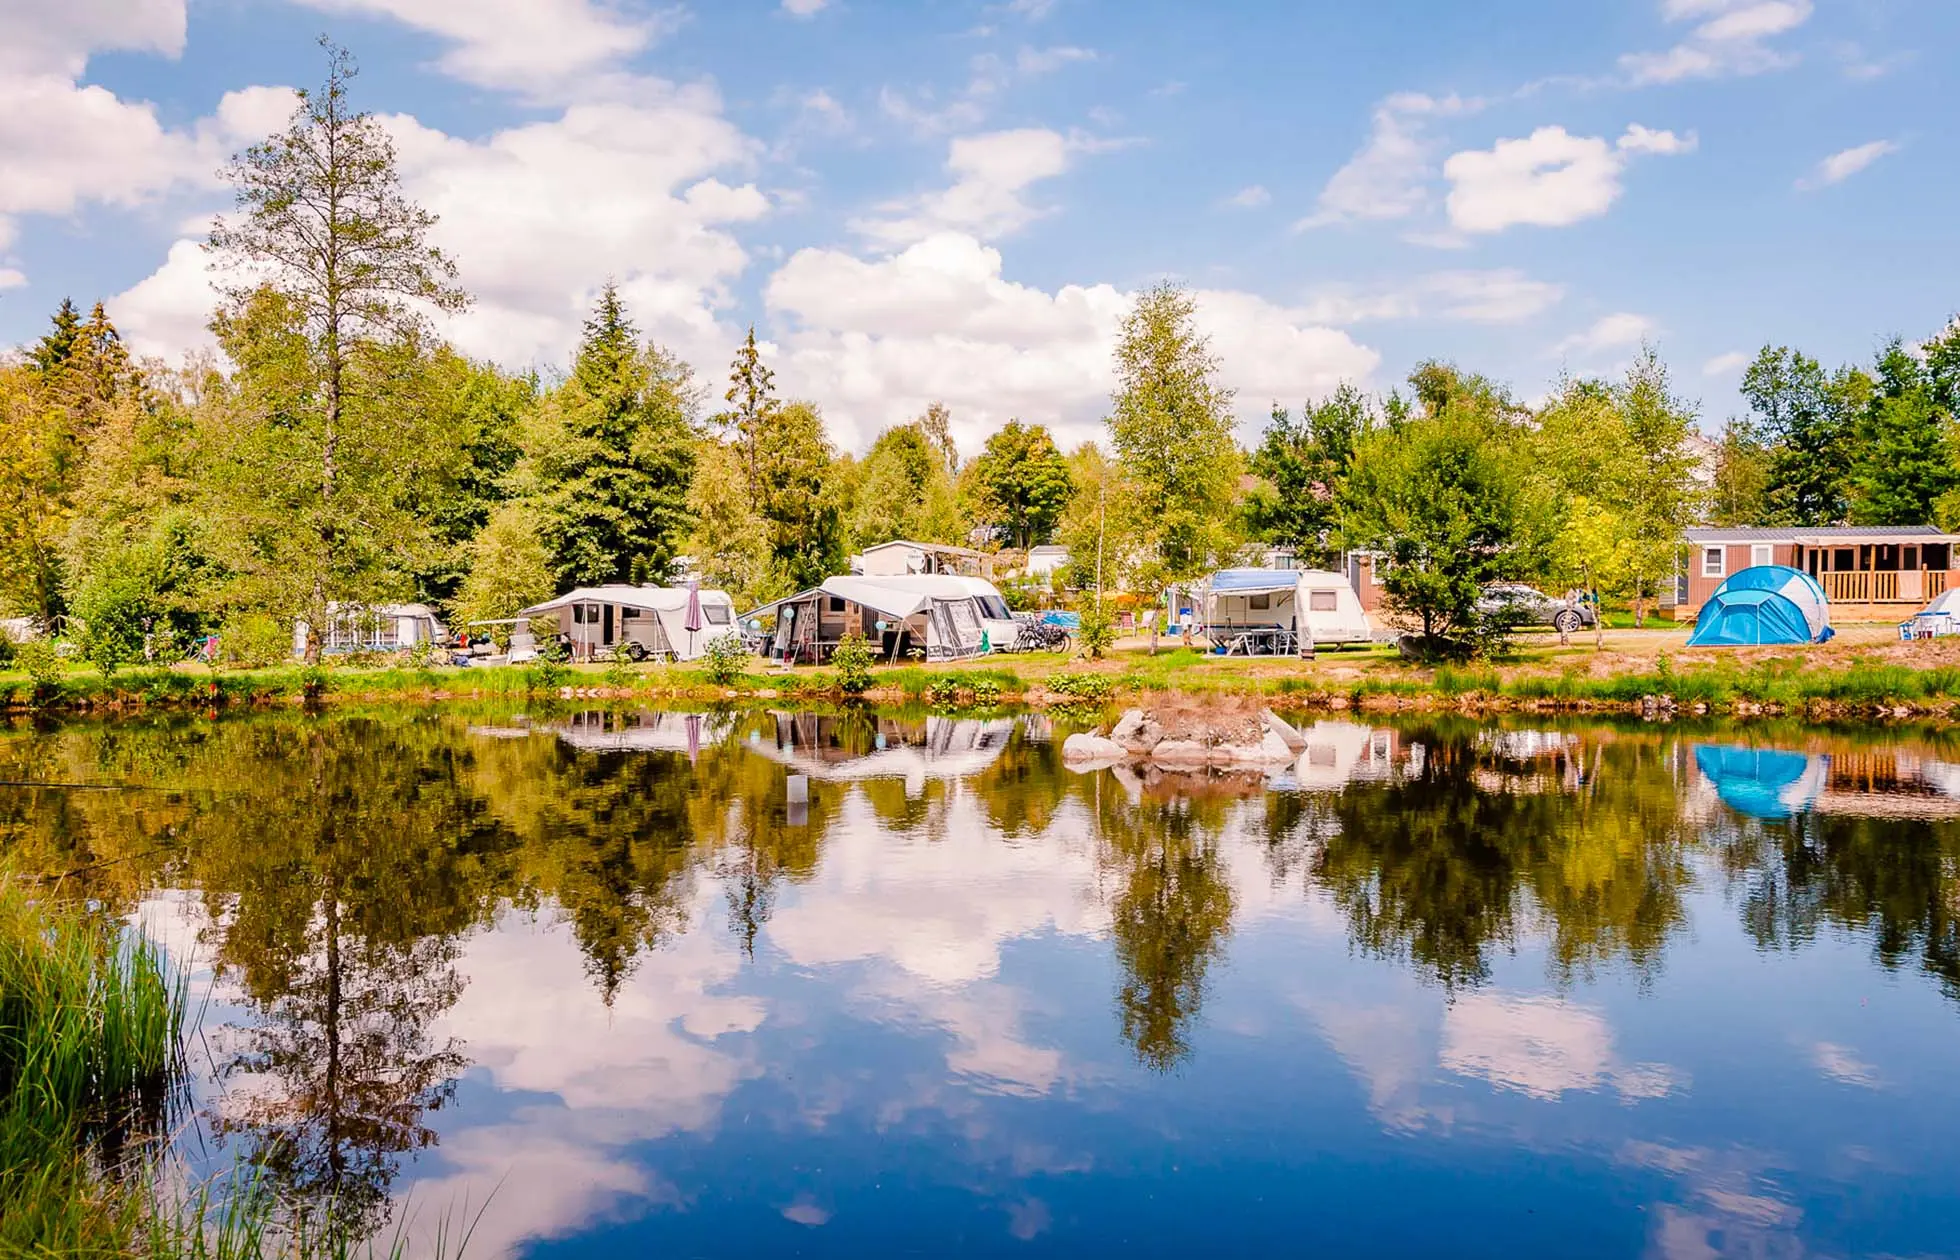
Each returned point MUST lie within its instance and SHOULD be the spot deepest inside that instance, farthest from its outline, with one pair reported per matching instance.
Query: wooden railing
(1913, 586)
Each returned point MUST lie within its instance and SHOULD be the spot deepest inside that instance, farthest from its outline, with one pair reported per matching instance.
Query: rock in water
(1084, 747)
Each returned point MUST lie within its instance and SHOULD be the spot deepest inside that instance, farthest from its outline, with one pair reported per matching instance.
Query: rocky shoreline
(1183, 740)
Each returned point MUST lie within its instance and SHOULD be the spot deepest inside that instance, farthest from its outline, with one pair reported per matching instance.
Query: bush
(853, 662)
(726, 659)
(547, 673)
(6, 651)
(112, 608)
(1083, 688)
(1098, 630)
(254, 640)
(619, 673)
(39, 660)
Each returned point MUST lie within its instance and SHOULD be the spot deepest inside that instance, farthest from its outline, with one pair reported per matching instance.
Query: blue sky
(954, 200)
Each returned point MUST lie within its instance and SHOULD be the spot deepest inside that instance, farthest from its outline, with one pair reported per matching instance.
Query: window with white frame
(1713, 561)
(1762, 553)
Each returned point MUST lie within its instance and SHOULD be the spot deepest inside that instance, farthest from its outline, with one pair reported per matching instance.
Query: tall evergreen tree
(58, 343)
(751, 399)
(610, 469)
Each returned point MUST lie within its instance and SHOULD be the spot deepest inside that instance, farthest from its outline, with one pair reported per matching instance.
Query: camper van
(1278, 612)
(637, 622)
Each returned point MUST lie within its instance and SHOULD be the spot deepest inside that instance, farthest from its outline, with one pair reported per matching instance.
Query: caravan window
(833, 603)
(1323, 601)
(1261, 602)
(717, 614)
(627, 614)
(993, 608)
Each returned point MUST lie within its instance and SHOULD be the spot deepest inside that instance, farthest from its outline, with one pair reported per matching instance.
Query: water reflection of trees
(343, 859)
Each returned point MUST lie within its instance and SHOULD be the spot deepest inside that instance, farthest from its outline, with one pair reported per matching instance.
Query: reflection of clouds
(609, 1077)
(1734, 1209)
(940, 909)
(1841, 1063)
(1543, 1047)
(1388, 1047)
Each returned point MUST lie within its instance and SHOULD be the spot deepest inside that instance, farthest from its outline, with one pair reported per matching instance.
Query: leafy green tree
(509, 566)
(1170, 423)
(806, 535)
(37, 456)
(1443, 501)
(113, 606)
(323, 224)
(1656, 491)
(1020, 483)
(612, 457)
(478, 414)
(1905, 460)
(1303, 464)
(1740, 493)
(730, 544)
(1809, 431)
(1104, 532)
(937, 424)
(903, 490)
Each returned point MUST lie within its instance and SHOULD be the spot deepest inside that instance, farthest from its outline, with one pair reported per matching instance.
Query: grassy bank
(91, 1084)
(1650, 674)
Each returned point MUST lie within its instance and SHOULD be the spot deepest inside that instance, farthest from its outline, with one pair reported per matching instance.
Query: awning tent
(1767, 604)
(940, 614)
(1941, 617)
(1770, 784)
(654, 617)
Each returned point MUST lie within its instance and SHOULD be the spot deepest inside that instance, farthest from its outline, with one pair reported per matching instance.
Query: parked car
(1532, 607)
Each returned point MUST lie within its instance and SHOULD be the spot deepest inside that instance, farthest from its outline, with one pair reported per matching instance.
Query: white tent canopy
(949, 617)
(652, 619)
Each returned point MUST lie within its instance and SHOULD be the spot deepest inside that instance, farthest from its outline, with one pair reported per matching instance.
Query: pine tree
(751, 399)
(610, 471)
(58, 343)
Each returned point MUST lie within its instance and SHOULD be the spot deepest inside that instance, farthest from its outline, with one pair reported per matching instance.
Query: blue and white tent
(1770, 603)
(1941, 617)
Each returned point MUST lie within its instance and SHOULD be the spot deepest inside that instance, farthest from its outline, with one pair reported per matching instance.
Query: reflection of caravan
(938, 748)
(1340, 753)
(605, 731)
(1276, 612)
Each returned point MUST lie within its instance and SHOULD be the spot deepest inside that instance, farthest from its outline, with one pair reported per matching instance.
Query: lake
(773, 983)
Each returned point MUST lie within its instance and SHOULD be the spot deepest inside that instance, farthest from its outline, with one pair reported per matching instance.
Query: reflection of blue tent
(1770, 603)
(1766, 783)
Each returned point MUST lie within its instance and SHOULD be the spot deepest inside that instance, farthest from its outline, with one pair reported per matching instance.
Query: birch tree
(321, 220)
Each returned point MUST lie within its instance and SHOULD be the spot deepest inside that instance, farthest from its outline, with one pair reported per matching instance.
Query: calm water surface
(771, 984)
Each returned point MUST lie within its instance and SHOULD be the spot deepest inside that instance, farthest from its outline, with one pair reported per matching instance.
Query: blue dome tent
(1770, 603)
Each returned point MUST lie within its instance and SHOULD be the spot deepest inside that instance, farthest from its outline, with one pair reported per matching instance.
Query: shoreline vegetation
(1867, 680)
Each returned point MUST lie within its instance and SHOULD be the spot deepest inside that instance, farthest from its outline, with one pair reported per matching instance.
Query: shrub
(6, 651)
(619, 673)
(1083, 688)
(725, 659)
(1097, 631)
(39, 660)
(853, 662)
(547, 673)
(111, 608)
(254, 640)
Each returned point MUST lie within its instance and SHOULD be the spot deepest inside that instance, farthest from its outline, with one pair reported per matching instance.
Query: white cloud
(1610, 332)
(877, 339)
(552, 48)
(1550, 178)
(804, 8)
(1725, 364)
(1032, 10)
(1389, 177)
(1730, 41)
(991, 174)
(532, 252)
(1500, 296)
(1033, 61)
(57, 38)
(989, 75)
(1842, 165)
(11, 278)
(1251, 197)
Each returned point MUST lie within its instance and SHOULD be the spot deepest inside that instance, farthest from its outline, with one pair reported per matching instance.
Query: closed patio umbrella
(693, 622)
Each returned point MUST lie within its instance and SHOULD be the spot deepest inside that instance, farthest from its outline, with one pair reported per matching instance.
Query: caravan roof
(651, 598)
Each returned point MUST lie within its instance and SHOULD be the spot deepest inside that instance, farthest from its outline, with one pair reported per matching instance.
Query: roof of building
(1818, 533)
(936, 548)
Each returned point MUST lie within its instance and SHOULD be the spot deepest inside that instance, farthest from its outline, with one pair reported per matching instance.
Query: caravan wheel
(636, 652)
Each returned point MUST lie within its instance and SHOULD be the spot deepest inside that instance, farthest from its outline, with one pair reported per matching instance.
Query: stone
(1128, 726)
(1137, 731)
(1284, 730)
(1176, 753)
(1277, 750)
(1084, 747)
